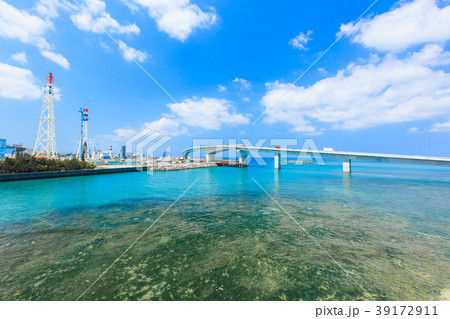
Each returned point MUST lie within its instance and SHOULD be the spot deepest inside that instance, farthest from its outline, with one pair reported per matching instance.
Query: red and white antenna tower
(46, 138)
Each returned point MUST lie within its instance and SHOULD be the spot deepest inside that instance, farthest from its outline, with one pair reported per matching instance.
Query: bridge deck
(390, 158)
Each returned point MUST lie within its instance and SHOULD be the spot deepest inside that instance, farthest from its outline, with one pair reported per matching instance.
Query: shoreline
(115, 169)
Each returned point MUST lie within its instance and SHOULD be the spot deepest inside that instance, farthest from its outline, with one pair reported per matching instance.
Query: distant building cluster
(9, 150)
(96, 156)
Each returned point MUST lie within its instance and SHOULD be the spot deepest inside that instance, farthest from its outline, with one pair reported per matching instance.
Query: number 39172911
(406, 310)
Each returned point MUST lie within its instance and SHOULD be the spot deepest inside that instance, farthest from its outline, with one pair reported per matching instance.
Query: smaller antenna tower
(83, 147)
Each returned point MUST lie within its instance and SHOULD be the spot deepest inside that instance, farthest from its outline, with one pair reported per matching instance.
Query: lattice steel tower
(83, 148)
(46, 138)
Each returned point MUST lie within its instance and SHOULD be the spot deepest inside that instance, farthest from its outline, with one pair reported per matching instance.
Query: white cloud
(50, 8)
(120, 135)
(18, 83)
(56, 93)
(20, 25)
(130, 54)
(414, 130)
(431, 55)
(133, 8)
(440, 127)
(366, 95)
(209, 113)
(323, 71)
(411, 23)
(178, 18)
(222, 88)
(105, 46)
(90, 17)
(243, 83)
(167, 126)
(243, 86)
(94, 14)
(124, 133)
(301, 40)
(57, 58)
(20, 57)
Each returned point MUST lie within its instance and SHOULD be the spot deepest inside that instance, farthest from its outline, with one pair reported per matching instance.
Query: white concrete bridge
(244, 151)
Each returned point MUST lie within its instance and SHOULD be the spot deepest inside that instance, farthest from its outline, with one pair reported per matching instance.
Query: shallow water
(225, 239)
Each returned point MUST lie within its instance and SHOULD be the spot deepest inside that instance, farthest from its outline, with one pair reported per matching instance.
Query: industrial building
(10, 150)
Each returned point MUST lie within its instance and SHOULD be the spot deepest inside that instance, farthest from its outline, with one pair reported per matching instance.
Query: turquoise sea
(226, 239)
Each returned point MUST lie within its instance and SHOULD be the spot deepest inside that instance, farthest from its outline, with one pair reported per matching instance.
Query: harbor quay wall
(100, 171)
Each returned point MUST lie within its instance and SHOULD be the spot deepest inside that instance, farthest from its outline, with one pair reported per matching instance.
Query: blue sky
(383, 87)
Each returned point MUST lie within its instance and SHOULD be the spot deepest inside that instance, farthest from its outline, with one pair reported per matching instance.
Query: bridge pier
(347, 166)
(242, 156)
(210, 157)
(277, 161)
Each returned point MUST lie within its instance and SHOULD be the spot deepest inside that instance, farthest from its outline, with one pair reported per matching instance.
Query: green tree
(25, 163)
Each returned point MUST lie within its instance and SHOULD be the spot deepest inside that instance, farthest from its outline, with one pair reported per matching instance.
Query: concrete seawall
(100, 171)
